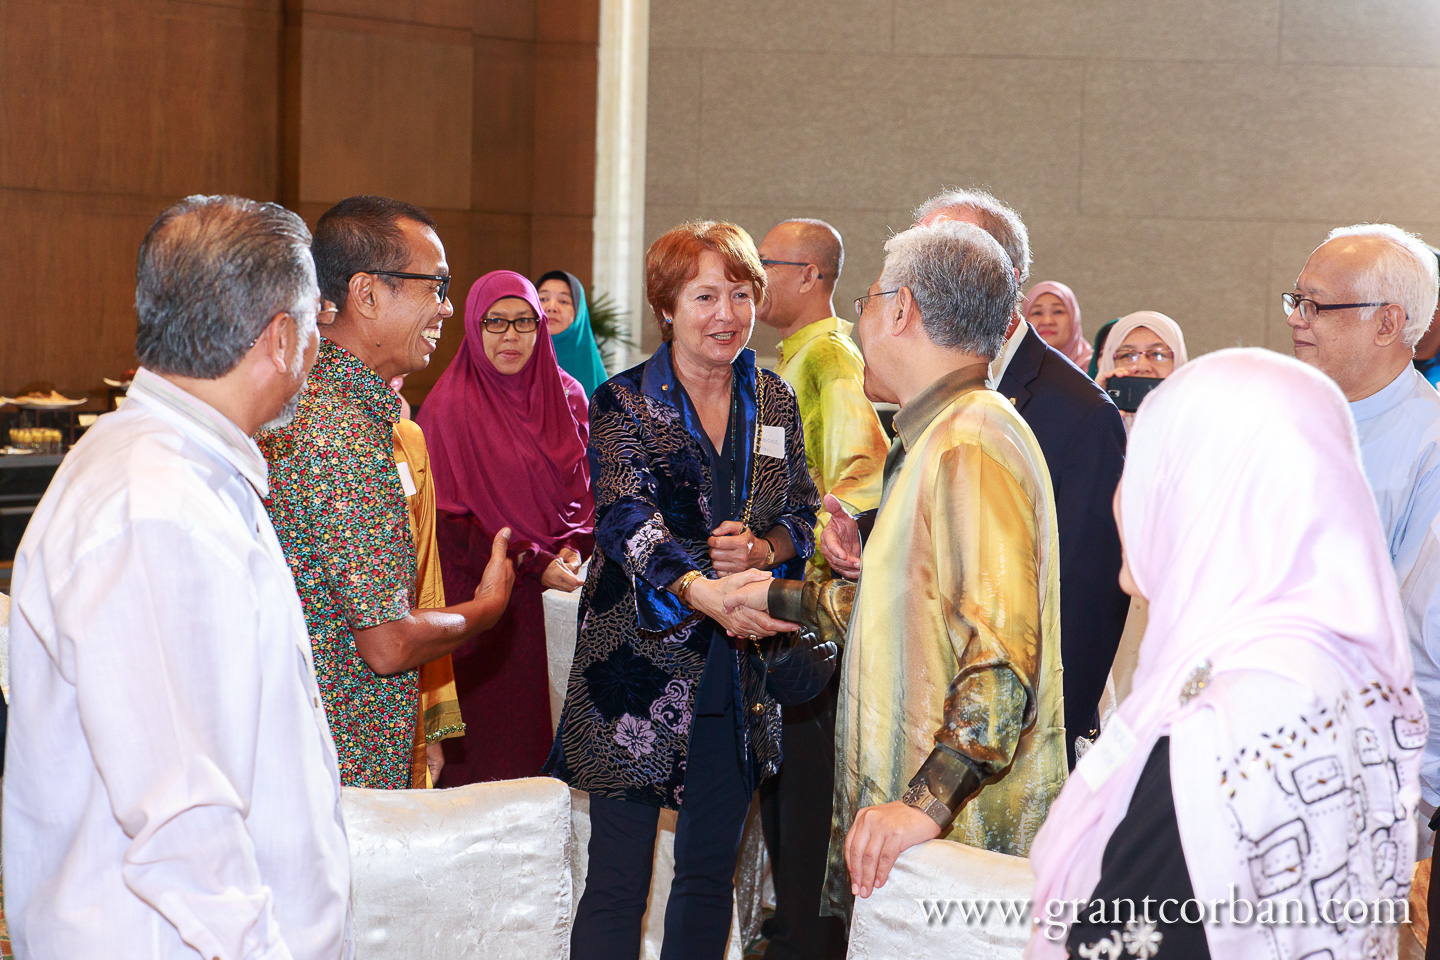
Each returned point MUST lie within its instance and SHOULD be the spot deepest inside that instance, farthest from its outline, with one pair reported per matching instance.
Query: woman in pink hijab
(1053, 311)
(507, 430)
(1270, 749)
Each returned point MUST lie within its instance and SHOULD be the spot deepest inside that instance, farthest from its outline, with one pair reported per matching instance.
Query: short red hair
(674, 260)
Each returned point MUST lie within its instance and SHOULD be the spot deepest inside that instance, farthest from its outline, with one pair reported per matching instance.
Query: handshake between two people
(739, 600)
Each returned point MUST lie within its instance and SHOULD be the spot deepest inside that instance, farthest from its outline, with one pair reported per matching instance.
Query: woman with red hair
(700, 486)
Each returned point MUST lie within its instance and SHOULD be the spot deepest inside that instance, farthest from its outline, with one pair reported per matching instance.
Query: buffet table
(23, 481)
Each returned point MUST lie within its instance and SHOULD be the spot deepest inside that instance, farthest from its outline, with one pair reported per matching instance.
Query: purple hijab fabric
(508, 449)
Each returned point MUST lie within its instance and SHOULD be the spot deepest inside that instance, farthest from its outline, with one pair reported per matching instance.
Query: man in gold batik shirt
(439, 704)
(845, 449)
(951, 705)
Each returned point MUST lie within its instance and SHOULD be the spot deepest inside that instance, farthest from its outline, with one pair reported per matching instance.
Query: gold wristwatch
(769, 553)
(682, 588)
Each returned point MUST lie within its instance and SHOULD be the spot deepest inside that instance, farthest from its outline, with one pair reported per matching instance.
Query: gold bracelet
(682, 587)
(769, 555)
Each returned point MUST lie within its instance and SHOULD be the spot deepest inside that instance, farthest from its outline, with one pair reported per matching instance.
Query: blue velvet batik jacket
(640, 653)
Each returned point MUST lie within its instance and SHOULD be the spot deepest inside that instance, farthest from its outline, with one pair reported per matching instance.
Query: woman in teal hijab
(569, 319)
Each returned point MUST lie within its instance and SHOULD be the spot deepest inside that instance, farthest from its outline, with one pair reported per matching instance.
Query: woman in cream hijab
(1141, 344)
(1270, 749)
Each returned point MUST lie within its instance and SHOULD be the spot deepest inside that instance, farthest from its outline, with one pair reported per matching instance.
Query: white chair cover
(561, 613)
(482, 871)
(893, 924)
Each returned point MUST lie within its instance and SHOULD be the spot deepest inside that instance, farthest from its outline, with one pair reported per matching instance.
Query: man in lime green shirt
(845, 445)
(845, 449)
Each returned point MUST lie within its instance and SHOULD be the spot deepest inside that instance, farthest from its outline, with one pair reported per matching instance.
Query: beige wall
(1182, 156)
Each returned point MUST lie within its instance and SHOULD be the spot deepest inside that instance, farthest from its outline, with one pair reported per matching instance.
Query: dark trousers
(707, 843)
(795, 810)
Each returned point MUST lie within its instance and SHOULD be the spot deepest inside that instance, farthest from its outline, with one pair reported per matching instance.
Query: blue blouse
(640, 653)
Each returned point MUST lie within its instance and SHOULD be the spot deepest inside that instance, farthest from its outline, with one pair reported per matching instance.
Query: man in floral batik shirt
(339, 502)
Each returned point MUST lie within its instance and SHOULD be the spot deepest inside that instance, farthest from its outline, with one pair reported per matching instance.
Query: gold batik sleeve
(439, 704)
(823, 607)
(992, 615)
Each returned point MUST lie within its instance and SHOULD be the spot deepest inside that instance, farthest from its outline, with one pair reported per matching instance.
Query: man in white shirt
(1364, 299)
(171, 786)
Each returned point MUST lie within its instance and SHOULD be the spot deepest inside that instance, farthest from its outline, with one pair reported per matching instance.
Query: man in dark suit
(1083, 439)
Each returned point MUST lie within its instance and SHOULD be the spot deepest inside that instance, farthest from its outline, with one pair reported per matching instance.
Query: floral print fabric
(339, 508)
(640, 654)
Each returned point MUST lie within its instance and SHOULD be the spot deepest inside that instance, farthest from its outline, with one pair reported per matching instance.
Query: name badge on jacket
(772, 442)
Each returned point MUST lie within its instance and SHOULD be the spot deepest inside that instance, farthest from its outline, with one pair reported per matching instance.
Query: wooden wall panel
(568, 21)
(148, 99)
(562, 242)
(483, 111)
(439, 13)
(69, 265)
(503, 143)
(565, 177)
(385, 108)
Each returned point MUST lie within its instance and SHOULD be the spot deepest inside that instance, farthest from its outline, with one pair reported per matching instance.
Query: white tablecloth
(561, 610)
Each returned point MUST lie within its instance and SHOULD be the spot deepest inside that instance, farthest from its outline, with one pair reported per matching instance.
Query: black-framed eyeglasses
(1124, 356)
(521, 324)
(440, 293)
(1310, 309)
(791, 263)
(860, 301)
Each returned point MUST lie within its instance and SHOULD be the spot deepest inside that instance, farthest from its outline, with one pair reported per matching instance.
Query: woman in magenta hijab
(507, 430)
(1053, 311)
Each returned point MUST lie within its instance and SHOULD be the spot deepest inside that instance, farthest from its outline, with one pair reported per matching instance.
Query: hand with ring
(734, 547)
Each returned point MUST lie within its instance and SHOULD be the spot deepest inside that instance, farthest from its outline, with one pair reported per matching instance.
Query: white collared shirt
(1001, 363)
(171, 787)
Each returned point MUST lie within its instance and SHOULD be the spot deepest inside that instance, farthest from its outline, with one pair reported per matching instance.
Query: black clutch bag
(797, 666)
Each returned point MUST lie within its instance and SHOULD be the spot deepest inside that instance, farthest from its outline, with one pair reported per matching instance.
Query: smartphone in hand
(1127, 392)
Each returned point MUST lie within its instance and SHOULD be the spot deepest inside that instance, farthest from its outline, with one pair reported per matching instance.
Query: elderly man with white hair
(950, 715)
(1364, 299)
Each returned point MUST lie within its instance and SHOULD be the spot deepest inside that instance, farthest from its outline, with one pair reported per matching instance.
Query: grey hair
(962, 281)
(213, 272)
(1404, 272)
(995, 217)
